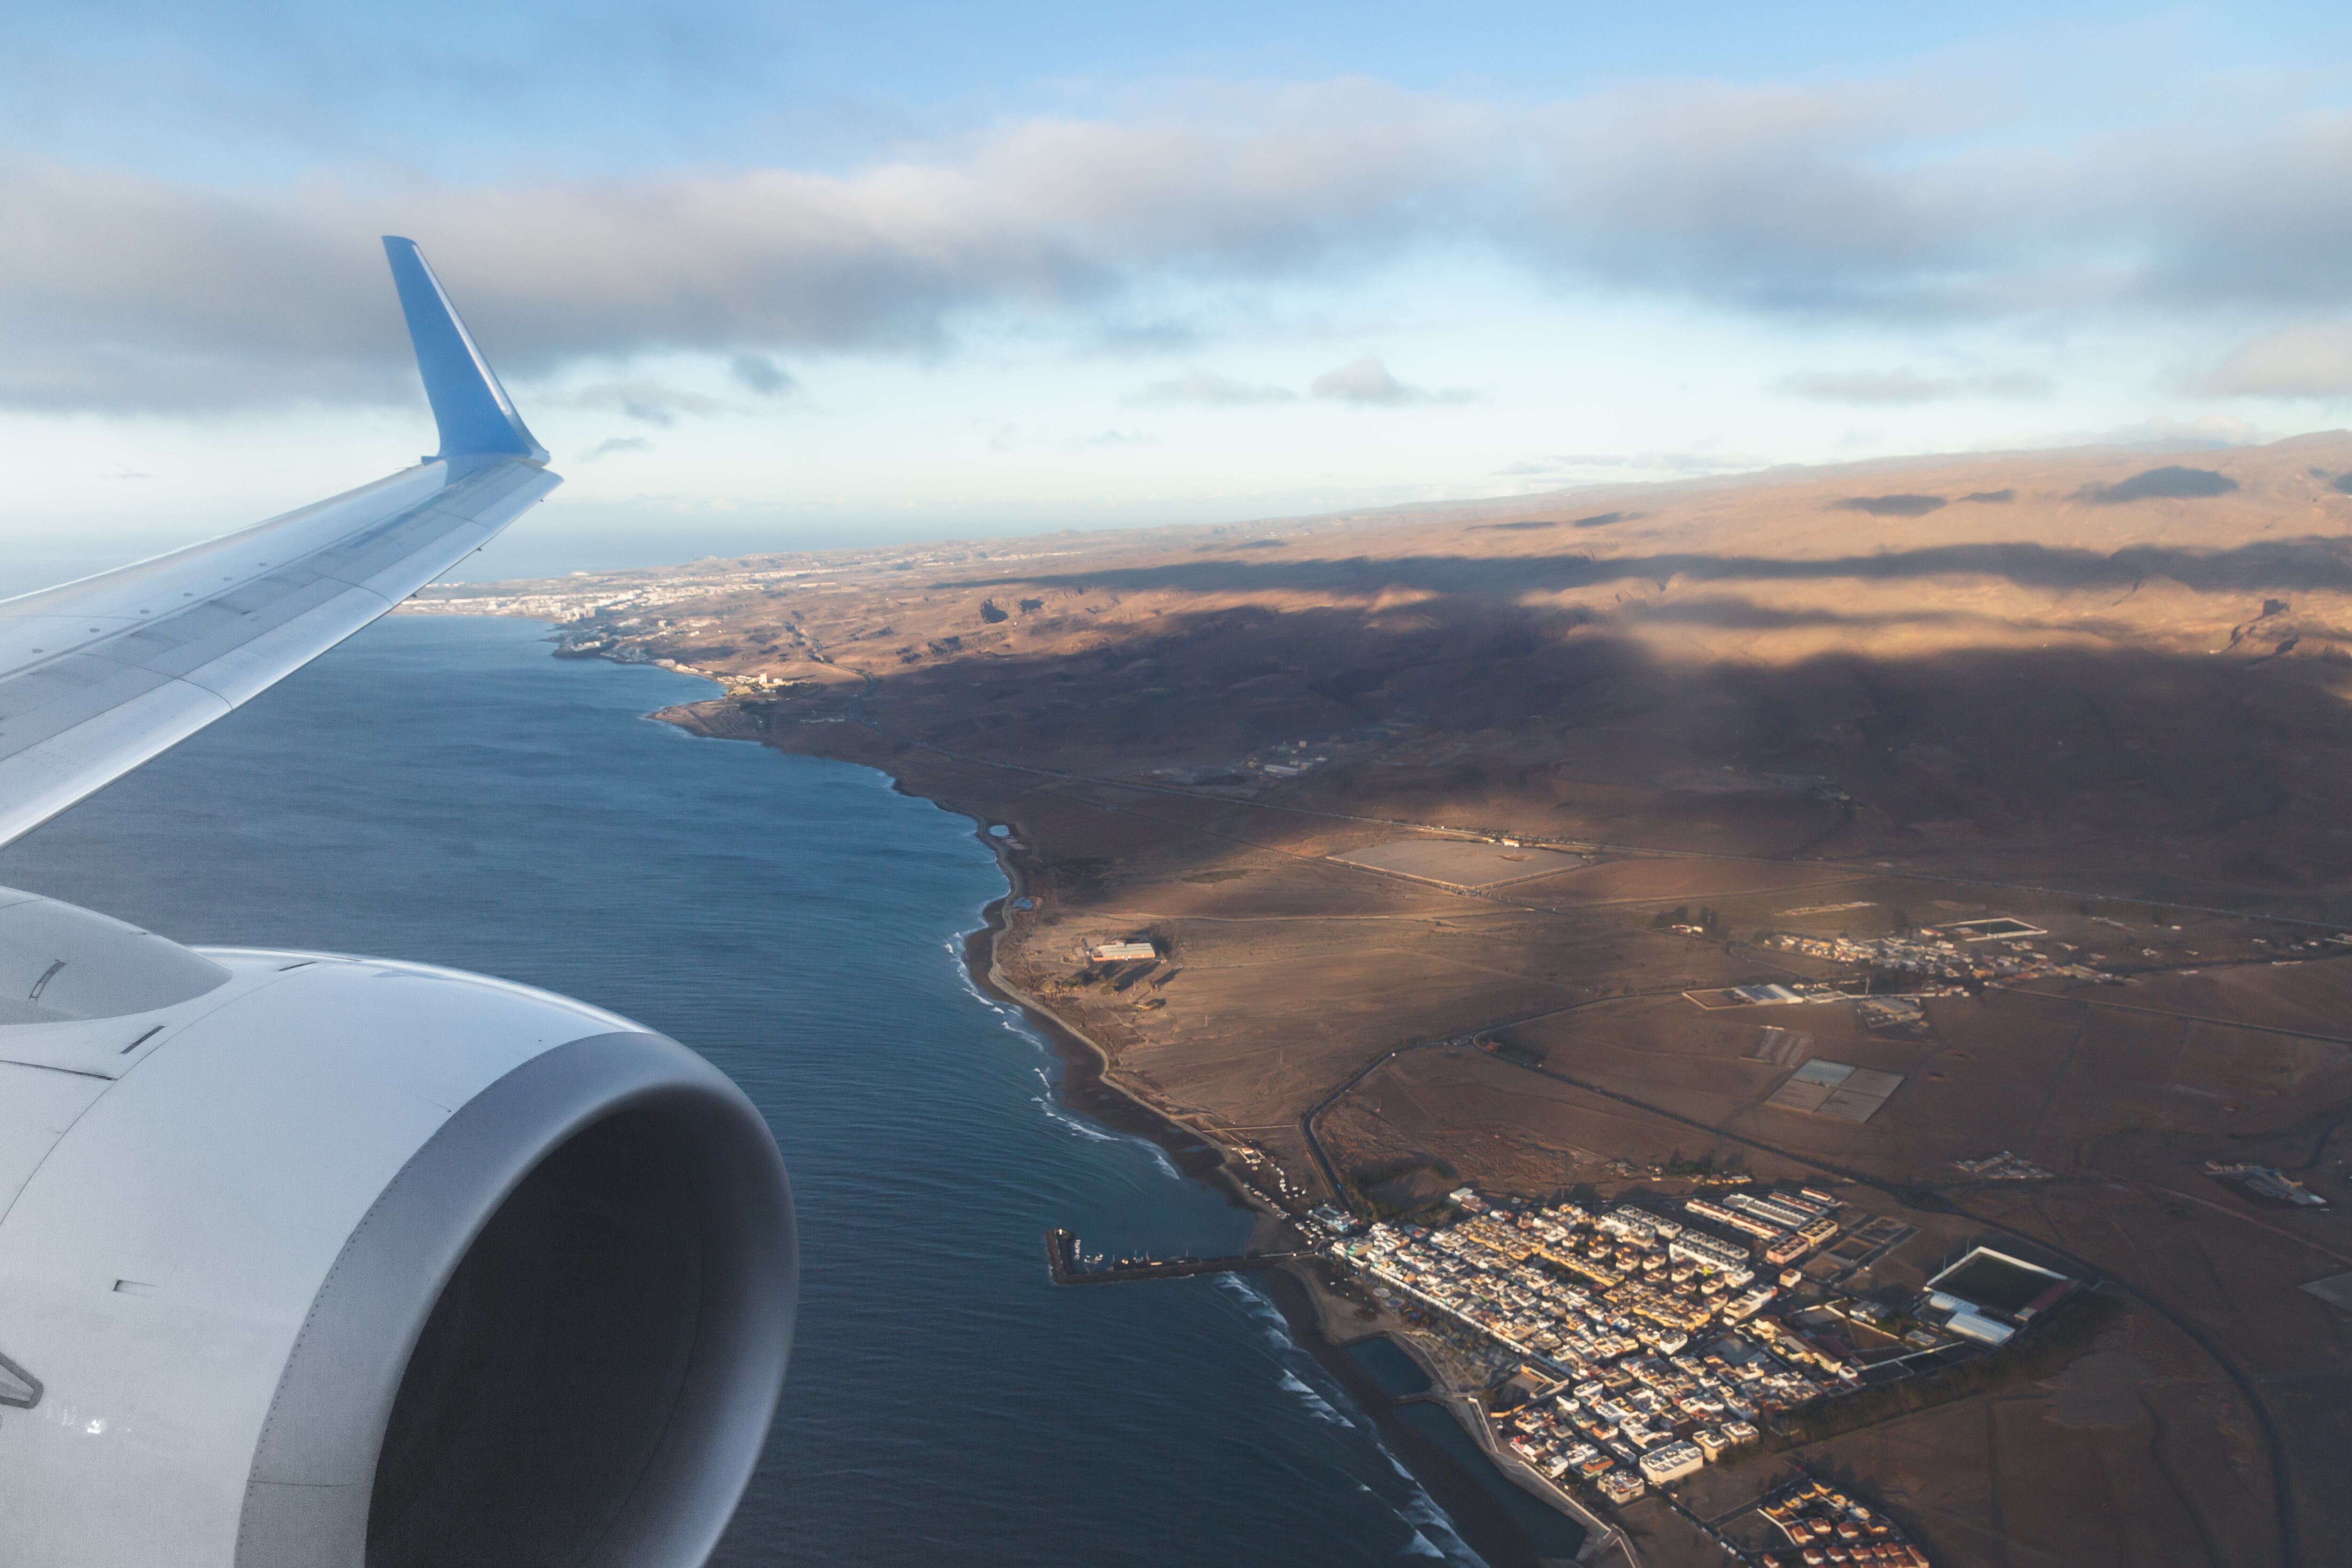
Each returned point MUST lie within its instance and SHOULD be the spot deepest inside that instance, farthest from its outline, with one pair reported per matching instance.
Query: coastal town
(1609, 1352)
(1632, 1348)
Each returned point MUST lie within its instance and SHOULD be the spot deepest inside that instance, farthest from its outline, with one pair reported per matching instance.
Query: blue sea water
(442, 790)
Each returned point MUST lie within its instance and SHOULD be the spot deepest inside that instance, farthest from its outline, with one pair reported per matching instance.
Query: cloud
(2208, 431)
(1870, 200)
(762, 374)
(1856, 202)
(1118, 438)
(1367, 384)
(1905, 385)
(2160, 433)
(605, 449)
(126, 292)
(646, 401)
(1563, 463)
(1164, 336)
(2312, 359)
(1634, 466)
(1206, 389)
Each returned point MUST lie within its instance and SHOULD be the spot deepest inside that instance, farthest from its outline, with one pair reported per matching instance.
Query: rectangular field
(1834, 1088)
(1460, 862)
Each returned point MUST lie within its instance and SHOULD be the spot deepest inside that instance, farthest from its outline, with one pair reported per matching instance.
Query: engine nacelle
(310, 1261)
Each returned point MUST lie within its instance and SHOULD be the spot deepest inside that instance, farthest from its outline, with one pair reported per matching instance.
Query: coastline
(1086, 1085)
(1083, 1085)
(1481, 1521)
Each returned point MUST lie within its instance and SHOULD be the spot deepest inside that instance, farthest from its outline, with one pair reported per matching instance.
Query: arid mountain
(2135, 666)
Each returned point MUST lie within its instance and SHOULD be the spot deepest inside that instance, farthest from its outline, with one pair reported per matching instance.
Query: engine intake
(357, 1264)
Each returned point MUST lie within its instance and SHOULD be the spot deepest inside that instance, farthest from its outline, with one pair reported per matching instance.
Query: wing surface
(100, 675)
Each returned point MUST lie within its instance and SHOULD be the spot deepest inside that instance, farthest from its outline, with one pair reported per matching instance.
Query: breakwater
(1067, 1266)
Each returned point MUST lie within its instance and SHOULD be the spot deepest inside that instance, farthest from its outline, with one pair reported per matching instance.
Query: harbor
(1069, 1266)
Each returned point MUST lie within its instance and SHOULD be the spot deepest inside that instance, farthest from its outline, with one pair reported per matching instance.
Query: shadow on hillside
(2308, 563)
(2225, 770)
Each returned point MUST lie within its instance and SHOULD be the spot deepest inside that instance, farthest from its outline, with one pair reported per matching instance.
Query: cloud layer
(2310, 359)
(1206, 389)
(1367, 384)
(1856, 202)
(1903, 386)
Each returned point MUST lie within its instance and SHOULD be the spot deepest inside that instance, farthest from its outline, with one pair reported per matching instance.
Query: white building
(1698, 1247)
(1672, 1462)
(1970, 1323)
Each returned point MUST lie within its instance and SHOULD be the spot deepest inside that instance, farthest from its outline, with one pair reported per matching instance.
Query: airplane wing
(100, 675)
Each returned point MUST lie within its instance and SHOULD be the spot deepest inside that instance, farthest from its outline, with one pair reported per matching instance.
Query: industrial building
(1989, 1295)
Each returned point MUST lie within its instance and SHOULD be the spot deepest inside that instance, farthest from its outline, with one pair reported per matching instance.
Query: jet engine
(311, 1261)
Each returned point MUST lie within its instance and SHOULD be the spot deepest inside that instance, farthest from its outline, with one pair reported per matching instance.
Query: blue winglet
(472, 409)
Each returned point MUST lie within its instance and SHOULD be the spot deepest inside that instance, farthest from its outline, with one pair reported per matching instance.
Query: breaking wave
(1081, 1128)
(1322, 1408)
(1433, 1534)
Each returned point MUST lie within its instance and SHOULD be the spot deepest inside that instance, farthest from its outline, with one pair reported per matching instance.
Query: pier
(1064, 1262)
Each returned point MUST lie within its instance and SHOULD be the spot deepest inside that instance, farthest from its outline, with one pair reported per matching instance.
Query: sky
(794, 275)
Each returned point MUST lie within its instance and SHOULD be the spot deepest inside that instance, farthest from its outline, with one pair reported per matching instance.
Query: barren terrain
(1434, 819)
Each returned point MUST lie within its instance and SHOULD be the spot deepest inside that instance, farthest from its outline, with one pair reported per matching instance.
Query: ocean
(441, 789)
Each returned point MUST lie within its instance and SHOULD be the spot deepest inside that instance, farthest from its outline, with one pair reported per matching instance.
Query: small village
(1959, 954)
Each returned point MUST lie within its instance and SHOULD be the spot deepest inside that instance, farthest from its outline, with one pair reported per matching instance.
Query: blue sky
(775, 275)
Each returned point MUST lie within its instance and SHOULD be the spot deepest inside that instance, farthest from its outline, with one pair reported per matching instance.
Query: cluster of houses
(1645, 1332)
(1827, 1529)
(1597, 1431)
(1937, 957)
